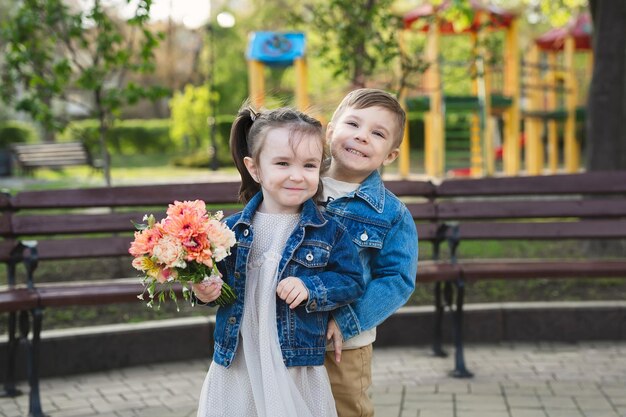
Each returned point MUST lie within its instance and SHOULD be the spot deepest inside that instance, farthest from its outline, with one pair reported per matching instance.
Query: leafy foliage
(190, 113)
(53, 52)
(16, 132)
(355, 37)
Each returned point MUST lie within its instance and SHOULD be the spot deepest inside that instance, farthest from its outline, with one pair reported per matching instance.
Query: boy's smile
(361, 140)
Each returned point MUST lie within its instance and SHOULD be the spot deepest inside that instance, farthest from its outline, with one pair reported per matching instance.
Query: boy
(364, 134)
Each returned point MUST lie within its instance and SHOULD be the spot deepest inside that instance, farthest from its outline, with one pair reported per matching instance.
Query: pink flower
(166, 274)
(222, 239)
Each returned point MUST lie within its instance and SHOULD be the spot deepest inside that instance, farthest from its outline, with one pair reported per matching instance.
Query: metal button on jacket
(309, 256)
(232, 320)
(237, 274)
(313, 305)
(246, 232)
(364, 236)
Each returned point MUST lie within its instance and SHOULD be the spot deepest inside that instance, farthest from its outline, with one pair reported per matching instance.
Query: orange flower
(144, 241)
(184, 227)
(197, 207)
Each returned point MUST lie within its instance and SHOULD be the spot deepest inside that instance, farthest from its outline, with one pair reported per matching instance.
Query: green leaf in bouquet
(139, 226)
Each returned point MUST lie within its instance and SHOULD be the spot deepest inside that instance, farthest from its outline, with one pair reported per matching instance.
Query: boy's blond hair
(370, 97)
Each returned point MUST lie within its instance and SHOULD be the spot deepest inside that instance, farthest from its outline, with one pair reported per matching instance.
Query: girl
(290, 267)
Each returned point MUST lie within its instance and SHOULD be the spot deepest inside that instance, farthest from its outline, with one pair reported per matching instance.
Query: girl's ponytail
(239, 150)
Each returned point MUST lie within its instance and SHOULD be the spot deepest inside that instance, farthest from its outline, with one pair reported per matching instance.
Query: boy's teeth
(354, 151)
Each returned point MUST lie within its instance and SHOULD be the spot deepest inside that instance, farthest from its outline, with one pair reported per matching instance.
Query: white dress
(258, 383)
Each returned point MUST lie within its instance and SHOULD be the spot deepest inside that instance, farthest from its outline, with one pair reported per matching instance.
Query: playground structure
(530, 90)
(554, 95)
(276, 49)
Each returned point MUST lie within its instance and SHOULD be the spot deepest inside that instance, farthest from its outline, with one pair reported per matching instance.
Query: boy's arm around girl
(391, 278)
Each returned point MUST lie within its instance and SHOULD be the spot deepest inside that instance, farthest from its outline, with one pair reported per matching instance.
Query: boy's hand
(207, 291)
(292, 291)
(334, 333)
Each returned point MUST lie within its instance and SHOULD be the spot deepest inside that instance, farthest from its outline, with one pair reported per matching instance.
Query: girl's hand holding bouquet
(184, 247)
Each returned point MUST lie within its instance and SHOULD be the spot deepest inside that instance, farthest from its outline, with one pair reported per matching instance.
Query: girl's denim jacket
(384, 232)
(320, 253)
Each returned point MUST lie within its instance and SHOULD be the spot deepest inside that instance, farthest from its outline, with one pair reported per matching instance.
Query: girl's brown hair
(248, 133)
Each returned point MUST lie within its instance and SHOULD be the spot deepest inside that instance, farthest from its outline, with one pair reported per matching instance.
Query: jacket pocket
(365, 235)
(312, 254)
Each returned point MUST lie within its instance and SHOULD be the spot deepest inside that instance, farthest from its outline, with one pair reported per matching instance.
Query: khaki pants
(350, 380)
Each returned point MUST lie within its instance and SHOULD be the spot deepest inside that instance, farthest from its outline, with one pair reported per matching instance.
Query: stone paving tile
(511, 380)
(523, 412)
(563, 413)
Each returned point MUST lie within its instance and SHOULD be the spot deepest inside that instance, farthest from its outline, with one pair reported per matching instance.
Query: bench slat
(82, 248)
(588, 229)
(129, 196)
(422, 211)
(402, 188)
(586, 208)
(86, 293)
(586, 183)
(79, 223)
(430, 271)
(17, 299)
(516, 269)
(89, 294)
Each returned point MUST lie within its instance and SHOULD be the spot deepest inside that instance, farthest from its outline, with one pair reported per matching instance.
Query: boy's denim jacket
(320, 253)
(383, 229)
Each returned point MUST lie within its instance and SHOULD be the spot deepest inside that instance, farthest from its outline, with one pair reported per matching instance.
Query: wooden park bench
(40, 226)
(582, 207)
(53, 155)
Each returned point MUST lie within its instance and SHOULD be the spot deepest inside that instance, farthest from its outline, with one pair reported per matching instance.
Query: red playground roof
(498, 17)
(579, 27)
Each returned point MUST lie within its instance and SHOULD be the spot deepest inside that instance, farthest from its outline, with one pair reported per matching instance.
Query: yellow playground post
(552, 88)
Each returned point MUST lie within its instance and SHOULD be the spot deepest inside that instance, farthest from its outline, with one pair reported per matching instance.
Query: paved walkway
(512, 380)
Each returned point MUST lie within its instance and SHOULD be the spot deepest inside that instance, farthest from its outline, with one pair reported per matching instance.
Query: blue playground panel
(277, 49)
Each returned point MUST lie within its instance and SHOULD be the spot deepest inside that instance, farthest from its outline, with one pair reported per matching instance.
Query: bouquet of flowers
(183, 247)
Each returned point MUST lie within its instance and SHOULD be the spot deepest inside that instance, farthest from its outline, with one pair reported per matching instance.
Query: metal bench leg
(10, 389)
(33, 367)
(460, 371)
(32, 361)
(9, 383)
(438, 328)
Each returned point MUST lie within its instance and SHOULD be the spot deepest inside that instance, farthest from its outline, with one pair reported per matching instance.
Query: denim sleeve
(341, 282)
(394, 271)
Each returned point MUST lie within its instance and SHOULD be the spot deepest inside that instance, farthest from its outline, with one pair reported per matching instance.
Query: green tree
(356, 36)
(53, 52)
(33, 71)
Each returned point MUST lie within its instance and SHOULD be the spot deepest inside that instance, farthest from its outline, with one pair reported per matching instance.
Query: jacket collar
(372, 190)
(310, 215)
